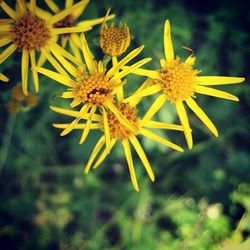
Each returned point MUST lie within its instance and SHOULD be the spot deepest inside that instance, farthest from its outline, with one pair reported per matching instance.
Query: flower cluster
(96, 88)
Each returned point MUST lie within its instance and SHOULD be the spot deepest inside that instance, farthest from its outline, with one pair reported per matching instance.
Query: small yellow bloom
(29, 30)
(114, 41)
(114, 131)
(94, 87)
(178, 82)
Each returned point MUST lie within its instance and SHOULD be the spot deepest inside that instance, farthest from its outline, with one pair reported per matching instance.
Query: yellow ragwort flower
(93, 87)
(178, 82)
(71, 21)
(114, 41)
(114, 131)
(28, 31)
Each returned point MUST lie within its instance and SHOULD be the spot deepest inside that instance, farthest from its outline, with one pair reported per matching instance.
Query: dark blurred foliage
(200, 199)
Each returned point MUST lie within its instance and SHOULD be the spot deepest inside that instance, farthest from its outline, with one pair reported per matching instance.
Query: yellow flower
(114, 131)
(3, 78)
(93, 87)
(114, 41)
(71, 21)
(27, 30)
(178, 82)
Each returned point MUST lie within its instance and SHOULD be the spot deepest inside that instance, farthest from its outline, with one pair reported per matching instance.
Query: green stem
(7, 140)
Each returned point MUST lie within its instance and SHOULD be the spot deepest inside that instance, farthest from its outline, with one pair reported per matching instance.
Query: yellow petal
(45, 15)
(78, 12)
(65, 111)
(33, 6)
(68, 66)
(69, 3)
(72, 125)
(145, 92)
(62, 14)
(47, 56)
(60, 31)
(10, 12)
(203, 117)
(74, 113)
(163, 64)
(51, 4)
(145, 72)
(6, 28)
(168, 46)
(104, 154)
(119, 93)
(185, 123)
(142, 156)
(65, 54)
(87, 55)
(3, 78)
(55, 76)
(216, 93)
(5, 41)
(96, 150)
(129, 69)
(75, 50)
(88, 125)
(6, 20)
(161, 125)
(128, 155)
(77, 126)
(219, 80)
(68, 94)
(158, 103)
(96, 21)
(8, 52)
(124, 61)
(25, 68)
(161, 140)
(76, 39)
(34, 73)
(106, 129)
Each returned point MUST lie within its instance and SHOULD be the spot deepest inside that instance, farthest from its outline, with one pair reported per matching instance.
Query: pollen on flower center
(31, 32)
(117, 130)
(178, 80)
(67, 22)
(114, 40)
(94, 88)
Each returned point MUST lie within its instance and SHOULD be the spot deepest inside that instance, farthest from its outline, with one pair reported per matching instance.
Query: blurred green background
(200, 199)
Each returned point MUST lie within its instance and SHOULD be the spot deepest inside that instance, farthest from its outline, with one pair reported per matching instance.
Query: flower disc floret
(117, 130)
(114, 40)
(178, 80)
(94, 88)
(31, 32)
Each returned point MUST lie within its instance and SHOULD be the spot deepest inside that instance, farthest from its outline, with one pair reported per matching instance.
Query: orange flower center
(117, 130)
(178, 80)
(31, 32)
(94, 89)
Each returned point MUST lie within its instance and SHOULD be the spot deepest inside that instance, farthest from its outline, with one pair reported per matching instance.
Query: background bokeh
(200, 199)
